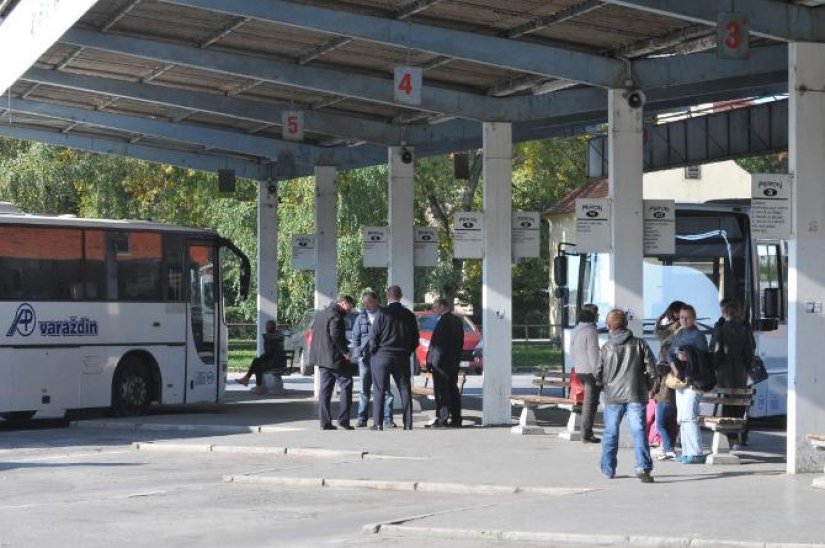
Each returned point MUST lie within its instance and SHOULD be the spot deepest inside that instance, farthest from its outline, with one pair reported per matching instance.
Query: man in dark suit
(394, 337)
(330, 352)
(443, 359)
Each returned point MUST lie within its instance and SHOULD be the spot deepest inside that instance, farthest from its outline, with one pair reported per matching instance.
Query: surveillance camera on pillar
(636, 98)
(406, 156)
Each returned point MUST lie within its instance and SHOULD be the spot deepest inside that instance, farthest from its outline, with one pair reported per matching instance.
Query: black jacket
(447, 342)
(626, 368)
(329, 340)
(394, 331)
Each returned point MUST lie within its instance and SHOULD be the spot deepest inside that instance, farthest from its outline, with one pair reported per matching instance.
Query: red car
(472, 336)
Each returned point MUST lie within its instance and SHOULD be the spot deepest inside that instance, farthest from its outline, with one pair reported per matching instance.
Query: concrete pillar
(625, 187)
(497, 274)
(326, 242)
(326, 235)
(401, 213)
(267, 297)
(806, 272)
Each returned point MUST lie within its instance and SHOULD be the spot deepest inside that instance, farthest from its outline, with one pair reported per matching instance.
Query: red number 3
(734, 39)
(405, 84)
(292, 124)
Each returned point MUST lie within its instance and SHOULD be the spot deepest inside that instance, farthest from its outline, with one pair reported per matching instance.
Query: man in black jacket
(443, 359)
(394, 337)
(330, 352)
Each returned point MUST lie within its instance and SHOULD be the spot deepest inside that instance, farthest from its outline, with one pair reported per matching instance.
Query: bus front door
(202, 376)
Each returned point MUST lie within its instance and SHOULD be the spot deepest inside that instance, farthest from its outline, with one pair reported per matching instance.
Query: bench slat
(540, 400)
(727, 401)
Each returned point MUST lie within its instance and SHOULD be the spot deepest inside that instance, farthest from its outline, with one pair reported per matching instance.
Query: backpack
(701, 373)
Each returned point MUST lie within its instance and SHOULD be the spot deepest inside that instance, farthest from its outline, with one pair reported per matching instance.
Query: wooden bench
(722, 426)
(426, 391)
(527, 420)
(818, 442)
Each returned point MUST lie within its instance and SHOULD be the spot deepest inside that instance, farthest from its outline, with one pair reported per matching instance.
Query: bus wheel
(18, 417)
(131, 389)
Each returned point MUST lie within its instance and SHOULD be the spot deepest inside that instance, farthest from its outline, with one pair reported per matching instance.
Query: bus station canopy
(204, 83)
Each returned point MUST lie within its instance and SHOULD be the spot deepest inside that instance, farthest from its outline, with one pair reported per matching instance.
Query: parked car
(300, 338)
(472, 336)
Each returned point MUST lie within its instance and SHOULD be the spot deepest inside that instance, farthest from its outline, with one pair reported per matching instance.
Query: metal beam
(189, 160)
(767, 18)
(197, 135)
(489, 50)
(245, 109)
(558, 17)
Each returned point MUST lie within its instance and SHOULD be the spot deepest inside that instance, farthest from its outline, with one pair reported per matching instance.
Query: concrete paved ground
(210, 476)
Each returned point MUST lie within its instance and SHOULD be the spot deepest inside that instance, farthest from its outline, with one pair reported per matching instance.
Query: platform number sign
(407, 84)
(293, 125)
(732, 36)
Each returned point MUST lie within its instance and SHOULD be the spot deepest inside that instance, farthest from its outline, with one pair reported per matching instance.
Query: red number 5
(734, 39)
(405, 84)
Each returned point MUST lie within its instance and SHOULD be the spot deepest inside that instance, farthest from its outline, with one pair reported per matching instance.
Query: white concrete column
(401, 213)
(267, 297)
(497, 274)
(625, 186)
(326, 235)
(806, 272)
(326, 244)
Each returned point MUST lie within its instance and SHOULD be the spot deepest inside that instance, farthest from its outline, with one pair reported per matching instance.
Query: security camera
(406, 156)
(636, 98)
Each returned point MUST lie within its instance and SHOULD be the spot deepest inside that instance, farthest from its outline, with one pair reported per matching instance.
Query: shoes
(605, 474)
(329, 427)
(375, 427)
(644, 476)
(693, 459)
(437, 424)
(362, 424)
(591, 439)
(666, 455)
(346, 426)
(454, 424)
(408, 427)
(242, 380)
(390, 424)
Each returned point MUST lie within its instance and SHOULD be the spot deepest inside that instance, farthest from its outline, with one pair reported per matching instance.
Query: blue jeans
(365, 379)
(613, 414)
(687, 411)
(664, 411)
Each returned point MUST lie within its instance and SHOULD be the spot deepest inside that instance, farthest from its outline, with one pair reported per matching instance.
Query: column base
(571, 436)
(722, 458)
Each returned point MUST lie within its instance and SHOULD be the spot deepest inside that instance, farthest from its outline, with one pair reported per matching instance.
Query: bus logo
(24, 321)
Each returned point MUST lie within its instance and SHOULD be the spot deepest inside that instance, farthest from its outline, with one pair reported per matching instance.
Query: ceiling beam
(189, 160)
(235, 107)
(527, 57)
(782, 21)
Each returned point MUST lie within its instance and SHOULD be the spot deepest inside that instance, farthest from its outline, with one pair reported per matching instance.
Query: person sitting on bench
(272, 358)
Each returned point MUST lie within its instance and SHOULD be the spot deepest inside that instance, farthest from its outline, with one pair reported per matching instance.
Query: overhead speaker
(461, 165)
(226, 181)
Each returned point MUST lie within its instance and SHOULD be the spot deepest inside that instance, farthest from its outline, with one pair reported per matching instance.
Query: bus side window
(772, 271)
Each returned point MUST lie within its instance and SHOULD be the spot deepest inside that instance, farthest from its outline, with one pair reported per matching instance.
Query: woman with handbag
(685, 346)
(665, 397)
(732, 347)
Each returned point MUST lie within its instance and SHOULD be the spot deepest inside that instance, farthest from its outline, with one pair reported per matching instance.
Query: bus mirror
(771, 303)
(560, 270)
(768, 324)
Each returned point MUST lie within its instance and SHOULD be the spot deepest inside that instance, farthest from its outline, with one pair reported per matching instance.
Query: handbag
(674, 382)
(757, 372)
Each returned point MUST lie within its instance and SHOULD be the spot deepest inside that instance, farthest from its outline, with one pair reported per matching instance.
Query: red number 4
(405, 84)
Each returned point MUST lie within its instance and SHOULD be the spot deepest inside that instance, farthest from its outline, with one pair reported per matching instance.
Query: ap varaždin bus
(101, 313)
(716, 257)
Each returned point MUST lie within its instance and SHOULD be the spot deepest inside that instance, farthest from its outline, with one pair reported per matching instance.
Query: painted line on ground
(242, 449)
(173, 427)
(392, 530)
(408, 486)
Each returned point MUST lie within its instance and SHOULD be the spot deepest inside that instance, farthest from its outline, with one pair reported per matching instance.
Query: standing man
(584, 346)
(361, 350)
(394, 338)
(330, 352)
(626, 369)
(443, 359)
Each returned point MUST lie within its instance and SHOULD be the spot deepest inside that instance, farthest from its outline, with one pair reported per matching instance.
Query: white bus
(716, 258)
(101, 313)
